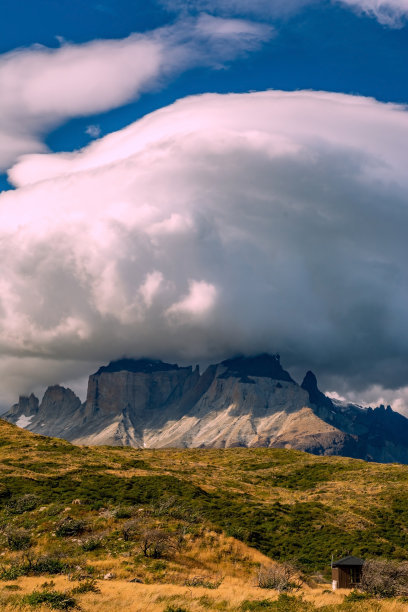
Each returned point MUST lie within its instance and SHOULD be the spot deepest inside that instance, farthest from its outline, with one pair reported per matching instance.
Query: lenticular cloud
(220, 224)
(388, 12)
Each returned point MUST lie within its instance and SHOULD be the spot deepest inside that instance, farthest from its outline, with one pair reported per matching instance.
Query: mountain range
(240, 402)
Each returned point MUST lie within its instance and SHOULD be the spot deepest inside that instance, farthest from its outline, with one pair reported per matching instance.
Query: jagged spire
(316, 397)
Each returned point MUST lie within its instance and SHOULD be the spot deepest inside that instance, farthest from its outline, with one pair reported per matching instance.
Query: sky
(192, 180)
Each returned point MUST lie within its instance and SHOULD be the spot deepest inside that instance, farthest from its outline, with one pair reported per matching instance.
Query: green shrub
(158, 566)
(356, 596)
(291, 603)
(23, 504)
(11, 572)
(48, 564)
(70, 526)
(175, 609)
(92, 543)
(53, 599)
(18, 539)
(284, 603)
(135, 464)
(254, 606)
(88, 586)
(124, 512)
(12, 587)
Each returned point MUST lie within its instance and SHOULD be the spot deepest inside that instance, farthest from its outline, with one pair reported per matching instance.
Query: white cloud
(197, 303)
(94, 131)
(388, 12)
(41, 88)
(265, 221)
(376, 395)
(151, 287)
(215, 27)
(392, 13)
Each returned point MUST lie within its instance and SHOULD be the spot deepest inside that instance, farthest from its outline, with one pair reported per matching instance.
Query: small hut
(346, 573)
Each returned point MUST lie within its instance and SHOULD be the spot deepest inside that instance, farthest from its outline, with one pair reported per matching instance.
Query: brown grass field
(119, 595)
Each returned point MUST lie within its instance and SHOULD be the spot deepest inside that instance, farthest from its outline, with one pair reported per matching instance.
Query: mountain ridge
(243, 401)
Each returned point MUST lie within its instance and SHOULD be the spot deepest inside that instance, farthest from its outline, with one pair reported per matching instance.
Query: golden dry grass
(120, 595)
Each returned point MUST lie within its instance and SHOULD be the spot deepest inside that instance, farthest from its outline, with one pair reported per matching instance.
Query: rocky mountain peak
(316, 397)
(146, 366)
(261, 366)
(57, 394)
(25, 410)
(28, 405)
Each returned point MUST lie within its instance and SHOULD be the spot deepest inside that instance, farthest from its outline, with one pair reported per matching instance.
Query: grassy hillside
(198, 522)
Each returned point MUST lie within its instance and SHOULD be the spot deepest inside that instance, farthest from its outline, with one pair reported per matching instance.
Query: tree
(155, 543)
(385, 578)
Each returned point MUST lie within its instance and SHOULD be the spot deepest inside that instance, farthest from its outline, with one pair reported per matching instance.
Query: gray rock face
(24, 411)
(58, 407)
(246, 402)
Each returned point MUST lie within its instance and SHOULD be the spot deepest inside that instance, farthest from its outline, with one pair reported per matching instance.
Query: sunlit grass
(235, 509)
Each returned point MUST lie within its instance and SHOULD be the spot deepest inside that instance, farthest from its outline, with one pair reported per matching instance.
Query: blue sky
(197, 231)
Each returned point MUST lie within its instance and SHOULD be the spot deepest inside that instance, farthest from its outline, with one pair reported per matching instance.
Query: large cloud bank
(220, 224)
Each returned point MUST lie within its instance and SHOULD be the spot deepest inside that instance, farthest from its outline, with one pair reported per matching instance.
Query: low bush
(11, 572)
(284, 603)
(70, 526)
(18, 539)
(51, 598)
(31, 566)
(200, 581)
(356, 596)
(88, 586)
(12, 587)
(124, 512)
(47, 564)
(281, 577)
(256, 605)
(91, 543)
(24, 503)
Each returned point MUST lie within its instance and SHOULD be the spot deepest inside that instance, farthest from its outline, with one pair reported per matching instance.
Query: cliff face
(141, 392)
(120, 403)
(239, 402)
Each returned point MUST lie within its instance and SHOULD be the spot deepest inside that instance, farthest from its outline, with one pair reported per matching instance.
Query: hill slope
(285, 503)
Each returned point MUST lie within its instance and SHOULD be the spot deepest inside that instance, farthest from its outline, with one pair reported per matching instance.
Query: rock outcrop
(58, 408)
(246, 401)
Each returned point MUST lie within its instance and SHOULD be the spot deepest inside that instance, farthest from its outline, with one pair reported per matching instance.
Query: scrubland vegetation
(238, 530)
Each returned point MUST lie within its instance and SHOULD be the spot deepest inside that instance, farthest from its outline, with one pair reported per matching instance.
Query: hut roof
(348, 561)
